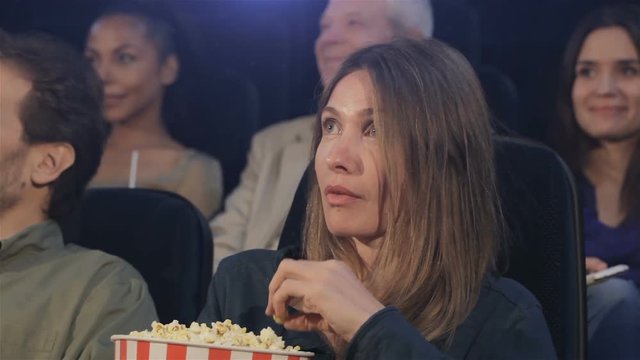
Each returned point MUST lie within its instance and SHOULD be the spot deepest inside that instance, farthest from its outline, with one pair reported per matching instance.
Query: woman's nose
(103, 70)
(344, 156)
(606, 84)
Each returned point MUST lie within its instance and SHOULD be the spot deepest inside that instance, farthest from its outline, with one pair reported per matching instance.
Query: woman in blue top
(402, 225)
(600, 127)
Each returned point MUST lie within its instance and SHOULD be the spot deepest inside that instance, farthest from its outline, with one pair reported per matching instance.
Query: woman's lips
(608, 109)
(111, 100)
(337, 195)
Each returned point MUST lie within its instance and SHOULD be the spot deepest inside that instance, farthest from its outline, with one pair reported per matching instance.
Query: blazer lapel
(276, 196)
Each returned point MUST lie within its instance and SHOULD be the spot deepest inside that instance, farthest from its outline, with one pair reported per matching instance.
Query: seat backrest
(503, 100)
(544, 252)
(225, 122)
(161, 234)
(458, 25)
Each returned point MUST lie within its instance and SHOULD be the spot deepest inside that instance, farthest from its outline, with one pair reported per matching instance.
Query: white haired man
(256, 210)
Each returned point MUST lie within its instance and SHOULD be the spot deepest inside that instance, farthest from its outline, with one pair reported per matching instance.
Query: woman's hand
(594, 264)
(327, 294)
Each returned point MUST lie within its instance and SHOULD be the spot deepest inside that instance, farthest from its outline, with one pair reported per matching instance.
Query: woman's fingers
(305, 322)
(290, 293)
(288, 269)
(594, 264)
(328, 289)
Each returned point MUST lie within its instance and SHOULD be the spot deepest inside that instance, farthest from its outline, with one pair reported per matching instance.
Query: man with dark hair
(56, 301)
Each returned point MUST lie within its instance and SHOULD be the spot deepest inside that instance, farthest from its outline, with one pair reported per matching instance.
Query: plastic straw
(133, 170)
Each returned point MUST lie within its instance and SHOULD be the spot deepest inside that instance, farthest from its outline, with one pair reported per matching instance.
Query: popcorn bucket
(138, 348)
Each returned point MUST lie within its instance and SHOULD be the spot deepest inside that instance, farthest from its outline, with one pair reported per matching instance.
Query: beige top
(196, 176)
(62, 301)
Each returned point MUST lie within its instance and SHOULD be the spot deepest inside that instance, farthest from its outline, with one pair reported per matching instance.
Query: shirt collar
(37, 238)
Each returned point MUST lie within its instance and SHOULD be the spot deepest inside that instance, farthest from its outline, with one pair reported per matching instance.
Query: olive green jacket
(62, 301)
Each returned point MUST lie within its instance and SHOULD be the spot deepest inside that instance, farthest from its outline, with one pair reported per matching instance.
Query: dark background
(250, 63)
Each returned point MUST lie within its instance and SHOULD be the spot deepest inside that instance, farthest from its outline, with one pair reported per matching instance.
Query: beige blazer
(256, 210)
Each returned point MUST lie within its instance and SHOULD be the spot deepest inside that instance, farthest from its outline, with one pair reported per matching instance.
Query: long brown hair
(569, 139)
(441, 212)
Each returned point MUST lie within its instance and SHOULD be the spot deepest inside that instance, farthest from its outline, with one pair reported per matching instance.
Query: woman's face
(129, 64)
(348, 162)
(606, 91)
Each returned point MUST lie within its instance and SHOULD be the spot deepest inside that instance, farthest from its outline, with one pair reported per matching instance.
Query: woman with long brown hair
(402, 225)
(598, 135)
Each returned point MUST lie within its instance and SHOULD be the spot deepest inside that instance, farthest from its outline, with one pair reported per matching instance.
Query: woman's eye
(630, 71)
(126, 58)
(370, 131)
(329, 126)
(585, 72)
(90, 59)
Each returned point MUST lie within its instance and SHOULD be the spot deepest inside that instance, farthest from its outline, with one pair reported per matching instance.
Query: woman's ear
(170, 69)
(52, 159)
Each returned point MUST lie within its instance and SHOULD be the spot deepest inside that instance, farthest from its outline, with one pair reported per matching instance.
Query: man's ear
(52, 160)
(170, 69)
(414, 33)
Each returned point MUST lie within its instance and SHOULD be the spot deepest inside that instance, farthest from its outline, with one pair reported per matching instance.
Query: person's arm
(387, 335)
(329, 298)
(118, 304)
(520, 335)
(524, 336)
(211, 312)
(238, 290)
(229, 227)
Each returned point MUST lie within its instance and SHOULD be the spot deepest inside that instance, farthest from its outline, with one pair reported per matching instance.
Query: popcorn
(220, 333)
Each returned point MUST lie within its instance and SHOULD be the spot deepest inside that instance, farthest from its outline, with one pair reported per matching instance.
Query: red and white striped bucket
(137, 348)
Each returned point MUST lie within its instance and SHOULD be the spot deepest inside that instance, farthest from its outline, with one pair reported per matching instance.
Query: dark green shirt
(506, 323)
(62, 301)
